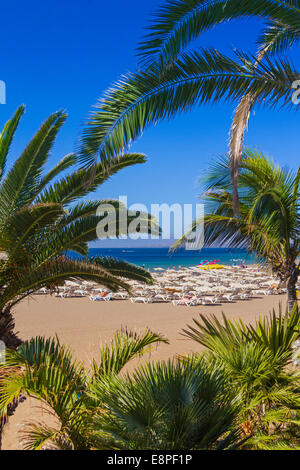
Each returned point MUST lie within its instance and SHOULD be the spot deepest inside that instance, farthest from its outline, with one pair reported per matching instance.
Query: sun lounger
(187, 301)
(121, 295)
(208, 300)
(163, 297)
(182, 301)
(97, 298)
(79, 292)
(145, 300)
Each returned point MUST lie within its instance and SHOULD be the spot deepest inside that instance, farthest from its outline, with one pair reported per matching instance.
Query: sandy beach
(84, 325)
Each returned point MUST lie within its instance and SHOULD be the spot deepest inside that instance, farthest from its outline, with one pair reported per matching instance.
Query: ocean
(161, 257)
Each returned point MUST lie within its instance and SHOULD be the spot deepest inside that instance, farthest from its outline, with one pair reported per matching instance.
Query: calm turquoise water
(160, 257)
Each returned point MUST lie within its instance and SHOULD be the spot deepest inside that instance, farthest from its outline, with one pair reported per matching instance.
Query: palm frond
(65, 163)
(22, 180)
(178, 22)
(85, 181)
(25, 224)
(7, 136)
(278, 37)
(166, 406)
(125, 346)
(145, 98)
(52, 273)
(123, 269)
(277, 332)
(42, 437)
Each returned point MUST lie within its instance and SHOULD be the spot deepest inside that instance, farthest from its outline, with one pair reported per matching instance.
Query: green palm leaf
(123, 269)
(178, 22)
(165, 406)
(268, 224)
(85, 181)
(65, 163)
(22, 180)
(147, 97)
(7, 136)
(125, 346)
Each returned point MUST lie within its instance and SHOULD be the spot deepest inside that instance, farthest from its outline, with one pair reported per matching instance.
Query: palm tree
(159, 406)
(269, 224)
(241, 392)
(176, 24)
(257, 359)
(45, 370)
(42, 217)
(167, 406)
(174, 79)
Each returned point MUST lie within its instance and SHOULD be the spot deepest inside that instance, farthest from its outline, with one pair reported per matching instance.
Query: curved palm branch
(55, 271)
(147, 97)
(125, 346)
(123, 269)
(178, 22)
(7, 136)
(64, 164)
(84, 181)
(278, 37)
(43, 216)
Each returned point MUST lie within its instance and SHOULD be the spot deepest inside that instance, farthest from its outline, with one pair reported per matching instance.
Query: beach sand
(84, 325)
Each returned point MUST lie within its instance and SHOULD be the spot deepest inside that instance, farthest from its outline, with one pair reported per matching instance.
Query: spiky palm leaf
(46, 371)
(84, 181)
(178, 22)
(7, 136)
(276, 333)
(43, 216)
(147, 97)
(151, 95)
(166, 406)
(256, 357)
(125, 346)
(270, 214)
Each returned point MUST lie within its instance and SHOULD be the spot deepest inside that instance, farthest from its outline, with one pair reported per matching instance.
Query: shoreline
(154, 257)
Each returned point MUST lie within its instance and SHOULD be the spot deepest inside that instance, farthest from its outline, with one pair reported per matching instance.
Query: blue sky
(64, 54)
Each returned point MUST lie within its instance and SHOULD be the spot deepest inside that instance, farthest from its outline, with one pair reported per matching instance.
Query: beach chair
(183, 301)
(79, 292)
(121, 295)
(162, 297)
(195, 301)
(208, 300)
(97, 298)
(43, 290)
(145, 300)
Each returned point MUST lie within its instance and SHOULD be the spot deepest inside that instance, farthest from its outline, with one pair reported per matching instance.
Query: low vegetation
(241, 393)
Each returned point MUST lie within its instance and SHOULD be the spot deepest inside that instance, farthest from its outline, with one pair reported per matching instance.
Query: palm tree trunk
(237, 135)
(7, 334)
(238, 130)
(11, 341)
(291, 290)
